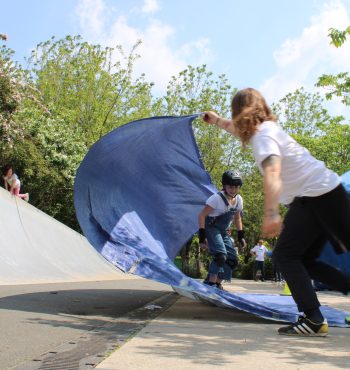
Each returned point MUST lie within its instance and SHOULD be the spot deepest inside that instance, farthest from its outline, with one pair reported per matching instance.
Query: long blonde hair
(249, 110)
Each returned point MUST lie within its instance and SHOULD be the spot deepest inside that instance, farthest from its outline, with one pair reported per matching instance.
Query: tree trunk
(198, 261)
(185, 257)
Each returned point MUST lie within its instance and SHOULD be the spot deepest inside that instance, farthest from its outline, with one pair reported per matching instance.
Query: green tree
(333, 146)
(327, 138)
(90, 87)
(15, 88)
(300, 113)
(53, 152)
(87, 93)
(337, 85)
(16, 92)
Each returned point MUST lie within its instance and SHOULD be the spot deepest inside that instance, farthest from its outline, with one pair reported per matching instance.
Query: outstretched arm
(214, 119)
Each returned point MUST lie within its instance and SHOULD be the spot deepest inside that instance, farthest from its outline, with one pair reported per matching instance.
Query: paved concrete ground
(193, 335)
(48, 318)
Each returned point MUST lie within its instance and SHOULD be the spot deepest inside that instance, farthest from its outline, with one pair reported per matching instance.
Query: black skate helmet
(232, 178)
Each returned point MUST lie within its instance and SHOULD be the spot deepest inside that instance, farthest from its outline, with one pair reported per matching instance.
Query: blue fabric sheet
(137, 196)
(341, 261)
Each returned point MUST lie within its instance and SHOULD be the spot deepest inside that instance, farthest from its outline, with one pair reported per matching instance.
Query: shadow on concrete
(223, 336)
(89, 302)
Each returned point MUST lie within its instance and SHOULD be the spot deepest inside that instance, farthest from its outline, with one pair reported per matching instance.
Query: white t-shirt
(301, 173)
(217, 203)
(13, 178)
(260, 251)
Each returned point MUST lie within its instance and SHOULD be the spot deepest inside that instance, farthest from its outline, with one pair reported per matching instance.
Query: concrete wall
(35, 248)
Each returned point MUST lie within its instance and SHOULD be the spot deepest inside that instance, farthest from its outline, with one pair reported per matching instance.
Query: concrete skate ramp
(36, 248)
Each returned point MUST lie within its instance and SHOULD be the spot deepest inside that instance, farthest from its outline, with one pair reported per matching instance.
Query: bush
(191, 269)
(245, 270)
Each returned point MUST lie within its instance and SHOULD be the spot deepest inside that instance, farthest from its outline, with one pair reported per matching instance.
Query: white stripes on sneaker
(303, 329)
(306, 328)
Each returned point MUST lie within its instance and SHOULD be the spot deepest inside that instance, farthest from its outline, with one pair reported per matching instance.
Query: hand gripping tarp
(137, 195)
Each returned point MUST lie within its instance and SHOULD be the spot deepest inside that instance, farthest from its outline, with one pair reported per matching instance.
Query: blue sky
(275, 46)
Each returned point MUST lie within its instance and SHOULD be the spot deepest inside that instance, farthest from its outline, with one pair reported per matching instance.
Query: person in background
(259, 252)
(12, 183)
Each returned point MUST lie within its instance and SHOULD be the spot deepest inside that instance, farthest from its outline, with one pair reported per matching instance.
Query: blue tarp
(341, 261)
(137, 196)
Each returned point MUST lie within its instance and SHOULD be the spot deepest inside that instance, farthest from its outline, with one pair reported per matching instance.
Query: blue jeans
(259, 265)
(220, 242)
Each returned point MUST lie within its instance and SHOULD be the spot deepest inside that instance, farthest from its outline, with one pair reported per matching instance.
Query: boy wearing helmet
(219, 211)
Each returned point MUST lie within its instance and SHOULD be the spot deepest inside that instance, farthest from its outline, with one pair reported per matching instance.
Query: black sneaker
(306, 328)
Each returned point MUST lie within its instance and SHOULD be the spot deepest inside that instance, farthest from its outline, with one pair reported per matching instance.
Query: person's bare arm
(214, 119)
(238, 221)
(272, 190)
(202, 215)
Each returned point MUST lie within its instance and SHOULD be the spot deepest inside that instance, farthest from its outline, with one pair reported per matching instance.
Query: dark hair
(6, 168)
(249, 110)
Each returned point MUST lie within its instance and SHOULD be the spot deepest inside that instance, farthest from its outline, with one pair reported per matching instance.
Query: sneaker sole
(321, 335)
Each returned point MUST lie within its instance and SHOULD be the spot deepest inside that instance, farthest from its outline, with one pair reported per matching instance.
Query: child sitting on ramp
(13, 184)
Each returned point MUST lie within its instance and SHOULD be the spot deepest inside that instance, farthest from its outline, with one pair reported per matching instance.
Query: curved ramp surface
(137, 195)
(36, 248)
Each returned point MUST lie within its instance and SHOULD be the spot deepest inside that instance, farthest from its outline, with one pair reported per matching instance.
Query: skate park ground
(195, 335)
(133, 323)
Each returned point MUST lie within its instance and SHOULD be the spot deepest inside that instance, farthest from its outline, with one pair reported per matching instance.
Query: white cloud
(158, 61)
(300, 61)
(199, 50)
(91, 15)
(150, 6)
(159, 58)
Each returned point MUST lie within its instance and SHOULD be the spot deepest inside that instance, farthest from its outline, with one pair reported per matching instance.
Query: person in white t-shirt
(214, 219)
(12, 183)
(259, 251)
(319, 208)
